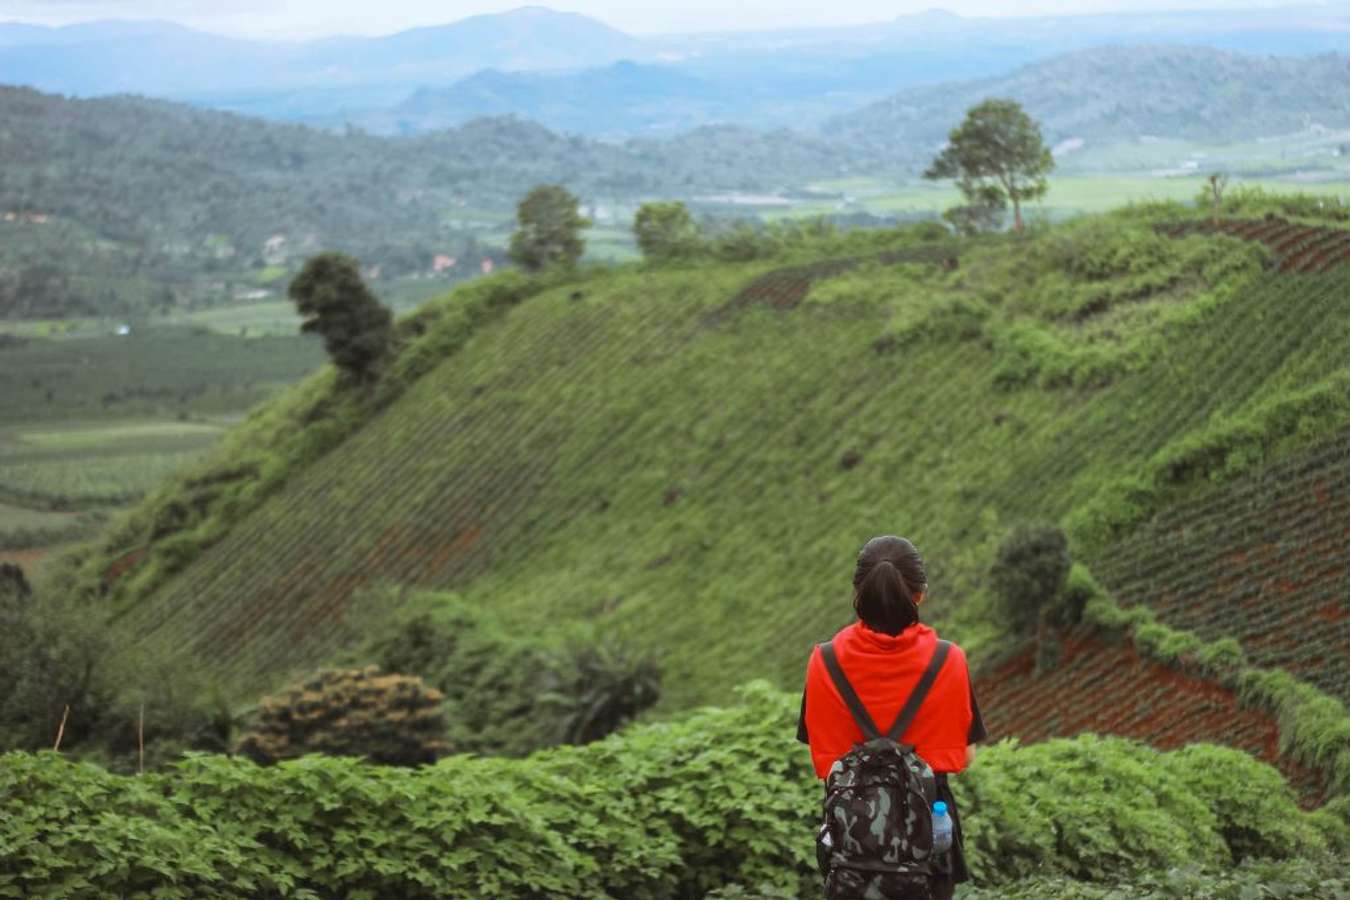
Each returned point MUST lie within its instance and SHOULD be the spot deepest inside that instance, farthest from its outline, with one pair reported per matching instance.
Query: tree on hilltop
(996, 154)
(548, 231)
(665, 231)
(336, 304)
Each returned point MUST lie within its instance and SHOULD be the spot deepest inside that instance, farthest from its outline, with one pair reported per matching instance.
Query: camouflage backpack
(876, 840)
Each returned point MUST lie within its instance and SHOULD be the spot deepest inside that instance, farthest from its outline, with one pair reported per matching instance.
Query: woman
(883, 656)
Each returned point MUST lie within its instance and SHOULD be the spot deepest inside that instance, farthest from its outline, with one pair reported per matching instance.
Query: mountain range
(559, 68)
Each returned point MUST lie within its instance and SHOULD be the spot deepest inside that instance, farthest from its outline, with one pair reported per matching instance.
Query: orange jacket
(883, 670)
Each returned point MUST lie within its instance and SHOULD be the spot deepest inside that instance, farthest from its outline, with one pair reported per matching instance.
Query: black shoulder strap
(855, 705)
(911, 708)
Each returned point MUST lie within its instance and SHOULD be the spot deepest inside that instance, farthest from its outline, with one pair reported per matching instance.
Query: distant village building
(487, 266)
(443, 263)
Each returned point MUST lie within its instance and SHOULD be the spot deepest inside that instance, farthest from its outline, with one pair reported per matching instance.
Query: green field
(608, 454)
(99, 463)
(93, 423)
(164, 372)
(1069, 195)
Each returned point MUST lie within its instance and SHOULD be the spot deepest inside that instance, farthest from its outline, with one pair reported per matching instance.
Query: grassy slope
(613, 455)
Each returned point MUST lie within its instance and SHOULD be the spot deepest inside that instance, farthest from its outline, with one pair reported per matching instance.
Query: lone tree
(548, 229)
(665, 231)
(997, 152)
(336, 303)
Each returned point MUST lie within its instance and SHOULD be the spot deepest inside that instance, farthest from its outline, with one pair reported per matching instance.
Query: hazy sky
(309, 18)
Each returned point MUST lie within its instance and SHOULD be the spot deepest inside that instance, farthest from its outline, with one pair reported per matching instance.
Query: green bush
(670, 810)
(1027, 574)
(508, 690)
(1222, 450)
(55, 656)
(392, 719)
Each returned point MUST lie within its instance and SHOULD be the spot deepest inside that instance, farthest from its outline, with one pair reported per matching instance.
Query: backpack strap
(911, 708)
(855, 704)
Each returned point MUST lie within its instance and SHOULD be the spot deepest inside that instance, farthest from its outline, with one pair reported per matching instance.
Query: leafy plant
(391, 719)
(508, 691)
(721, 798)
(1028, 572)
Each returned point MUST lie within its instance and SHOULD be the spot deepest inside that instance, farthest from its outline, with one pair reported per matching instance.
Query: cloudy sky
(310, 18)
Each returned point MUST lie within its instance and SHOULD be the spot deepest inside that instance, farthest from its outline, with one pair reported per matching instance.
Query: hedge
(665, 810)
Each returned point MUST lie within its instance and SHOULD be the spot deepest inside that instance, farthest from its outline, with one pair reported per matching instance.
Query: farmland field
(90, 424)
(1070, 195)
(572, 460)
(1106, 688)
(1263, 560)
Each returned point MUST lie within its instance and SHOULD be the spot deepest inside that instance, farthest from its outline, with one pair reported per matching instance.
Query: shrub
(668, 810)
(55, 656)
(510, 692)
(1027, 574)
(391, 719)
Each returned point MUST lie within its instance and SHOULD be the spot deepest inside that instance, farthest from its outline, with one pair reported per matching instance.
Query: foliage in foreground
(660, 811)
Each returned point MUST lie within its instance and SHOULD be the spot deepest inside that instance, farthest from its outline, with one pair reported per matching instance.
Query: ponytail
(889, 574)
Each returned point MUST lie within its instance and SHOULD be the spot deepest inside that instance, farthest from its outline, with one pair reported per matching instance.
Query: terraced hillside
(1265, 560)
(690, 457)
(1111, 688)
(1299, 246)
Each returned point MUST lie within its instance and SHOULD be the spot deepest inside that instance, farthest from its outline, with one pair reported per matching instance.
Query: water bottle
(942, 828)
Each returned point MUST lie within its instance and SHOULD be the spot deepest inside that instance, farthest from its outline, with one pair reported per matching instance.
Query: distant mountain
(415, 80)
(1113, 93)
(625, 98)
(168, 61)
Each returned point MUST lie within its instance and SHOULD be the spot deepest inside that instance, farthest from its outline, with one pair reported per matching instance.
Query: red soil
(1110, 689)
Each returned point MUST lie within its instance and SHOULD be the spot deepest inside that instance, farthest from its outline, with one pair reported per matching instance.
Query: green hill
(690, 457)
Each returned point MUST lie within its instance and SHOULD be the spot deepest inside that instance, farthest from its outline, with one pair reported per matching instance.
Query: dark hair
(888, 575)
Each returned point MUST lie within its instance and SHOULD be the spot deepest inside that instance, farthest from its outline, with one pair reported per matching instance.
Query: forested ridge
(1114, 93)
(137, 196)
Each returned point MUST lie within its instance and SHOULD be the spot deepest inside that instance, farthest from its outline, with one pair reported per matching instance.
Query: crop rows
(1110, 689)
(1307, 249)
(430, 501)
(696, 478)
(1243, 349)
(1265, 560)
